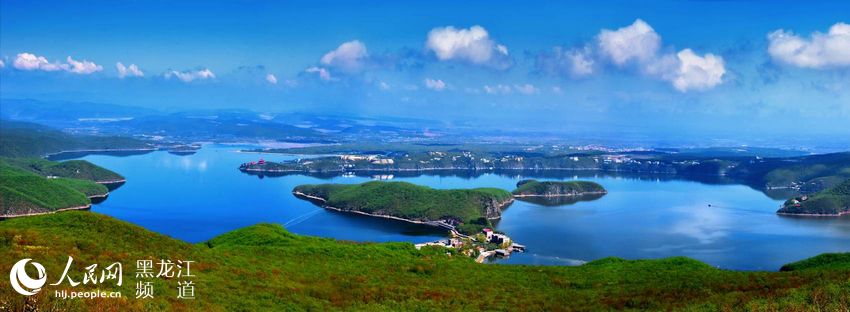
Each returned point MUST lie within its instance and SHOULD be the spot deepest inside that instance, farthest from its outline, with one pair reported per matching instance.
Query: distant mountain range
(217, 125)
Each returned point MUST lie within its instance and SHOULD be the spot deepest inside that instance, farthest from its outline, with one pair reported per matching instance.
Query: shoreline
(560, 195)
(459, 169)
(85, 207)
(111, 181)
(101, 150)
(430, 223)
(99, 195)
(814, 215)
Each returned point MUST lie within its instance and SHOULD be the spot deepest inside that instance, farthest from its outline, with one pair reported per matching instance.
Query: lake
(197, 197)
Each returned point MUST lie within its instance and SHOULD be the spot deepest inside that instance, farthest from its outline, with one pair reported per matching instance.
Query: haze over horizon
(706, 69)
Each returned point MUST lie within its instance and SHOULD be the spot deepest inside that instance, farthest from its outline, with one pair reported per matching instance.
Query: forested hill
(414, 202)
(23, 139)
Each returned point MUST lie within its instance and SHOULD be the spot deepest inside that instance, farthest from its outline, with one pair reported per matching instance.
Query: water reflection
(552, 201)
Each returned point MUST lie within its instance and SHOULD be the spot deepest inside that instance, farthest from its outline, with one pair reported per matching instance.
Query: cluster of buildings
(470, 245)
(374, 159)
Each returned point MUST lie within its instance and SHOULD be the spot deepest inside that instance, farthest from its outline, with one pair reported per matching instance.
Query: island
(534, 188)
(182, 149)
(831, 202)
(466, 210)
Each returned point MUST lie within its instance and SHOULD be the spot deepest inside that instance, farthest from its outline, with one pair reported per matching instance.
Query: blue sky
(665, 67)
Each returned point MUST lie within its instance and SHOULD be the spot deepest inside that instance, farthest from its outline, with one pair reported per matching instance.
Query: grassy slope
(534, 187)
(25, 192)
(407, 200)
(83, 186)
(263, 267)
(831, 201)
(75, 169)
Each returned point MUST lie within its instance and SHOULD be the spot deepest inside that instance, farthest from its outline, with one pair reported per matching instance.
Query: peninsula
(831, 202)
(788, 172)
(466, 213)
(36, 186)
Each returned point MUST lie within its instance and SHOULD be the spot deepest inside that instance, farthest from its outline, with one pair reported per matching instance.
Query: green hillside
(22, 139)
(265, 268)
(76, 169)
(86, 187)
(833, 201)
(23, 192)
(414, 202)
(557, 188)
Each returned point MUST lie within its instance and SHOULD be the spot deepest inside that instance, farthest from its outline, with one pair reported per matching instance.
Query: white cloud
(271, 79)
(323, 73)
(435, 84)
(349, 56)
(819, 51)
(82, 67)
(574, 62)
(131, 71)
(472, 45)
(497, 89)
(383, 85)
(526, 88)
(639, 44)
(2, 64)
(636, 41)
(698, 72)
(29, 61)
(190, 75)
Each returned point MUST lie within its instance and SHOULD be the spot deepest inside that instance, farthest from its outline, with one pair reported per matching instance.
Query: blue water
(197, 197)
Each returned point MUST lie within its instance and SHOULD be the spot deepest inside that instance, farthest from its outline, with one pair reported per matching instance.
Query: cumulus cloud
(323, 73)
(571, 62)
(698, 72)
(687, 70)
(29, 61)
(271, 79)
(471, 45)
(435, 84)
(637, 41)
(190, 75)
(128, 71)
(349, 56)
(818, 51)
(82, 67)
(638, 46)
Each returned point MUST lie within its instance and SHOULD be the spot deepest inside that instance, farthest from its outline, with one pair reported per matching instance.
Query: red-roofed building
(489, 233)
